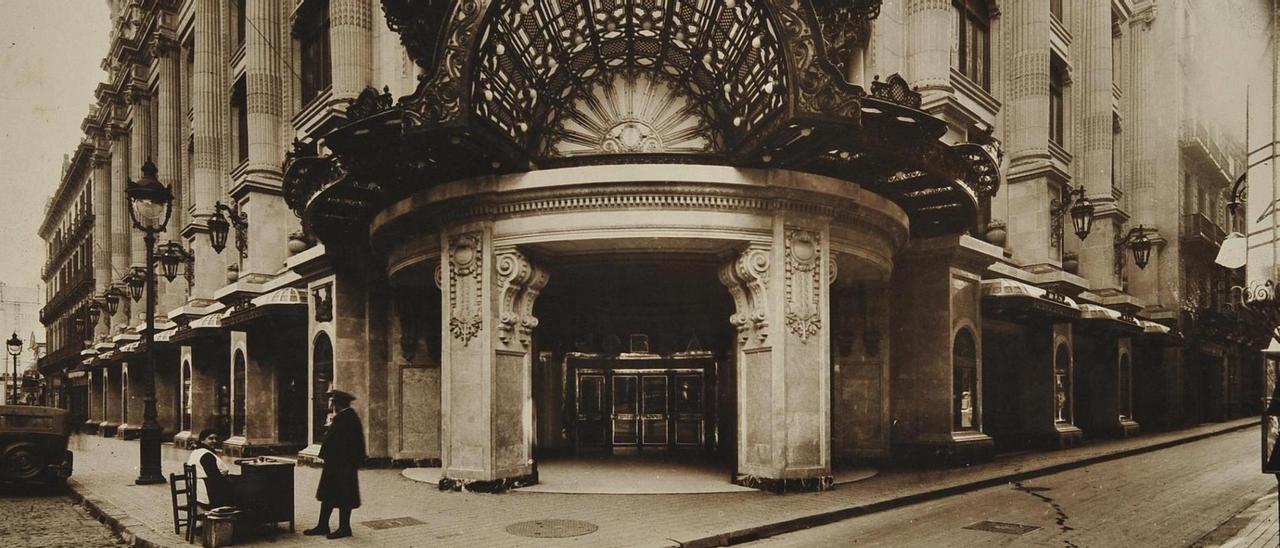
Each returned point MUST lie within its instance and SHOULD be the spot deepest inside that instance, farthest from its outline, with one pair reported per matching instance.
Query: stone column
(936, 294)
(486, 399)
(139, 152)
(133, 374)
(782, 316)
(101, 196)
(930, 34)
(121, 226)
(1092, 31)
(269, 219)
(93, 401)
(1150, 131)
(207, 103)
(168, 160)
(111, 386)
(351, 35)
(1030, 188)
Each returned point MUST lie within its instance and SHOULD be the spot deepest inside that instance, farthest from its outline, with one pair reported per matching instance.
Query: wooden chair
(190, 507)
(178, 485)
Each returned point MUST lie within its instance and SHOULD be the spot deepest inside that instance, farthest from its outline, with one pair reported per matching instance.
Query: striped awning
(1000, 294)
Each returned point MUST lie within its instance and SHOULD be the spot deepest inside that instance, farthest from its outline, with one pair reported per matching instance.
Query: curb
(749, 534)
(131, 530)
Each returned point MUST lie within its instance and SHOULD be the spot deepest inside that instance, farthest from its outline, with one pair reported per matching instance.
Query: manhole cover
(391, 523)
(1001, 527)
(552, 528)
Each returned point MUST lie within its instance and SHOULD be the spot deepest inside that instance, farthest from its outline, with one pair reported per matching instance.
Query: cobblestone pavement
(105, 469)
(1170, 497)
(1255, 527)
(37, 518)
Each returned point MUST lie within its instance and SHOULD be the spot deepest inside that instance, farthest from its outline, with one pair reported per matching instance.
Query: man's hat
(340, 397)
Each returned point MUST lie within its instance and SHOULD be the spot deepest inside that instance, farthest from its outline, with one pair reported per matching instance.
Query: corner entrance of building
(636, 404)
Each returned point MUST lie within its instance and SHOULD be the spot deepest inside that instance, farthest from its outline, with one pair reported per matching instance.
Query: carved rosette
(466, 295)
(747, 277)
(804, 282)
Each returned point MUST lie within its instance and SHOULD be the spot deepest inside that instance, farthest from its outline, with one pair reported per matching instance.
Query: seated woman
(213, 481)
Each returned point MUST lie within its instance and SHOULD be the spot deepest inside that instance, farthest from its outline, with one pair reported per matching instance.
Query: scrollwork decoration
(804, 282)
(466, 259)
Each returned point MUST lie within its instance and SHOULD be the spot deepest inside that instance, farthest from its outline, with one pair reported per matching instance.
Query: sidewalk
(105, 469)
(1255, 527)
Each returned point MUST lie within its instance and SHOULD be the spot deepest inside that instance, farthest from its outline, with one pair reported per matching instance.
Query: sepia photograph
(640, 273)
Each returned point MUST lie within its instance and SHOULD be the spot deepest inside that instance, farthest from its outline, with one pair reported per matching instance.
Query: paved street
(33, 518)
(401, 512)
(1171, 497)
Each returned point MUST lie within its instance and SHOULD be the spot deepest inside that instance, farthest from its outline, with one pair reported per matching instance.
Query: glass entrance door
(639, 408)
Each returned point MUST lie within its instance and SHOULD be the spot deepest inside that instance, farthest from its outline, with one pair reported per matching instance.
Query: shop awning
(1108, 318)
(1171, 337)
(1005, 297)
(283, 303)
(204, 326)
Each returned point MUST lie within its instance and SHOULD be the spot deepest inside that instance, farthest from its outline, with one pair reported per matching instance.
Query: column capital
(161, 45)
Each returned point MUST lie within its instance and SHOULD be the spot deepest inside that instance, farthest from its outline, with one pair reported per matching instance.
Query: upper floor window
(1057, 107)
(312, 32)
(237, 9)
(973, 24)
(1055, 9)
(239, 108)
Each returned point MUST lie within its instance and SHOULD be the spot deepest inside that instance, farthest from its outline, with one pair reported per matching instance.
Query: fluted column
(120, 224)
(1094, 143)
(101, 196)
(207, 108)
(168, 159)
(1028, 90)
(262, 89)
(139, 152)
(351, 34)
(930, 28)
(269, 221)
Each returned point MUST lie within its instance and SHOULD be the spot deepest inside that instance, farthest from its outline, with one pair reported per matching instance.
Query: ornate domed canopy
(515, 85)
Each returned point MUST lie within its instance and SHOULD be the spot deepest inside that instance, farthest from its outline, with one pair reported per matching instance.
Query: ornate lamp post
(150, 204)
(14, 345)
(1081, 211)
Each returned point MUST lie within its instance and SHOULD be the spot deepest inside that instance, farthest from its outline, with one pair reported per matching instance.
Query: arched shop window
(238, 389)
(321, 381)
(964, 397)
(1126, 387)
(185, 394)
(1062, 384)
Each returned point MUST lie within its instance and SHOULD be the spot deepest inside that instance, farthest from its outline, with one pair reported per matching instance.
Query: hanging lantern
(1082, 216)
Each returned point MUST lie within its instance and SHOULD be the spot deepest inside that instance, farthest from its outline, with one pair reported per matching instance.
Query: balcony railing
(1201, 233)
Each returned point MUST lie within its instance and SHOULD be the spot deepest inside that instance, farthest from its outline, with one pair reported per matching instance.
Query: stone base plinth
(488, 486)
(1065, 436)
(1128, 428)
(129, 431)
(965, 448)
(90, 427)
(184, 440)
(310, 456)
(108, 429)
(786, 485)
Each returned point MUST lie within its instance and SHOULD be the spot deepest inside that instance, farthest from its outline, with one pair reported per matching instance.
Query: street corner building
(772, 234)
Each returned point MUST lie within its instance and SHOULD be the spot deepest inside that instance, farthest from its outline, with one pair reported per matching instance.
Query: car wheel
(22, 461)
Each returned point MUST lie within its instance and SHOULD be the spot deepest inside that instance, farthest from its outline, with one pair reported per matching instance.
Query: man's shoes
(316, 531)
(340, 533)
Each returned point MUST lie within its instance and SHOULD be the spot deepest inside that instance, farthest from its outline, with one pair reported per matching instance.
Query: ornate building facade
(780, 233)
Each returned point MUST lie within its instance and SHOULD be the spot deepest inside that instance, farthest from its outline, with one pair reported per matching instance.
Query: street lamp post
(14, 345)
(150, 204)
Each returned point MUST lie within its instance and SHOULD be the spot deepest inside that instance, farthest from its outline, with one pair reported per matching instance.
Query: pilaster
(487, 398)
(168, 159)
(111, 387)
(101, 195)
(782, 317)
(121, 226)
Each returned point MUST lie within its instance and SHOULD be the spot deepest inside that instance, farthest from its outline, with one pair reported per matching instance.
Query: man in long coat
(343, 452)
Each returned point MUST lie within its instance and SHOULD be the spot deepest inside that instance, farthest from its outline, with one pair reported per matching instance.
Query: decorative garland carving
(804, 282)
(466, 296)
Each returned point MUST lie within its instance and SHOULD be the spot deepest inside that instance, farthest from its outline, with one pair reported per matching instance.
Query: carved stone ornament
(804, 282)
(466, 295)
(369, 103)
(747, 277)
(519, 283)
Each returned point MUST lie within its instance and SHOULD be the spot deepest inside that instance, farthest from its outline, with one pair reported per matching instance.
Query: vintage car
(33, 444)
